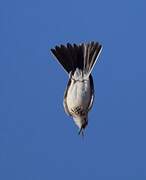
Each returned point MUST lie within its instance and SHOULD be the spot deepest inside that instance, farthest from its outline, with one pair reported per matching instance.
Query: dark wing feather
(92, 92)
(65, 96)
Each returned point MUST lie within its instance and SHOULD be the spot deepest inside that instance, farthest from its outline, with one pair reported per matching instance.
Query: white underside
(79, 94)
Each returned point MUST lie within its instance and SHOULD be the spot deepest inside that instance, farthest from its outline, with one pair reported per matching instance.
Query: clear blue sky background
(37, 140)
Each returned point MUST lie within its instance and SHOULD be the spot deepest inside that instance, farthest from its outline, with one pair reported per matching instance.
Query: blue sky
(37, 140)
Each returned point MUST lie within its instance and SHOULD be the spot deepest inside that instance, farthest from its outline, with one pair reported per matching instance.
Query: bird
(78, 61)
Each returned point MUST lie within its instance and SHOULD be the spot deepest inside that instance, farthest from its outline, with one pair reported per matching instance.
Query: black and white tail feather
(80, 57)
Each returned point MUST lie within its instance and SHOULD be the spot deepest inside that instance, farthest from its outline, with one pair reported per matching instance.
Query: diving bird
(78, 61)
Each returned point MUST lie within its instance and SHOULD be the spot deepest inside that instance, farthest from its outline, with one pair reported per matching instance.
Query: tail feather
(93, 51)
(63, 56)
(81, 56)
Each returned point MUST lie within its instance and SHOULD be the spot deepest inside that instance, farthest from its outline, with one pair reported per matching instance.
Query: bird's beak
(81, 131)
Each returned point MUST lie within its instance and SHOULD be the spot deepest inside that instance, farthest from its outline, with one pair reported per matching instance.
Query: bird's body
(78, 61)
(79, 92)
(78, 98)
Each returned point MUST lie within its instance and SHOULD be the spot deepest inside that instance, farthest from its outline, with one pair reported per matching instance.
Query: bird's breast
(79, 94)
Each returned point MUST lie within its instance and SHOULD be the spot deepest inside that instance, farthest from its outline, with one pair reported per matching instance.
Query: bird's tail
(81, 56)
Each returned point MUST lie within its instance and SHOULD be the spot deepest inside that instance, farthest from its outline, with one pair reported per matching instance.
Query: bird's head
(81, 122)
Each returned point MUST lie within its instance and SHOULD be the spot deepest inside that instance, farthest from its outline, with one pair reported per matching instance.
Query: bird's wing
(65, 97)
(92, 92)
